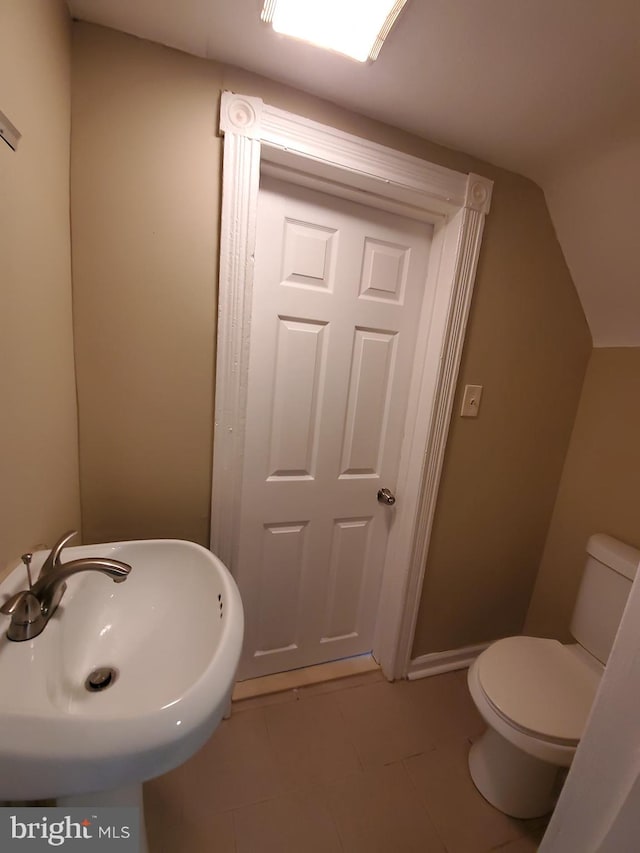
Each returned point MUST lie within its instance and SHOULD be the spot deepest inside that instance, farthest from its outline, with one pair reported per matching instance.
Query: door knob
(386, 497)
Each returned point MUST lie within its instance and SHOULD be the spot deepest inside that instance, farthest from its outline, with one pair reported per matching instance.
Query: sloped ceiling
(545, 88)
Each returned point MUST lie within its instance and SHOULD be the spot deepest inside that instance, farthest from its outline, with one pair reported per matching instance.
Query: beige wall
(528, 345)
(145, 191)
(39, 495)
(145, 205)
(599, 491)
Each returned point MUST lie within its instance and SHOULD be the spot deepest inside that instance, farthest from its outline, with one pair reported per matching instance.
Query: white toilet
(535, 694)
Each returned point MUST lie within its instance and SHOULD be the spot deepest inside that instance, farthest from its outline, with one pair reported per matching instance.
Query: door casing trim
(255, 135)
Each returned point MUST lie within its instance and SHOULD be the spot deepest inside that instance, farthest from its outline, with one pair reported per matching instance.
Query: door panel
(282, 562)
(368, 400)
(338, 291)
(347, 564)
(296, 385)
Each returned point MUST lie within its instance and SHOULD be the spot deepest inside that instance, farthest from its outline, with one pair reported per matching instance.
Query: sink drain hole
(101, 678)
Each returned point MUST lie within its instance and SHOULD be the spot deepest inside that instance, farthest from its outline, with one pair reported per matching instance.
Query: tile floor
(352, 766)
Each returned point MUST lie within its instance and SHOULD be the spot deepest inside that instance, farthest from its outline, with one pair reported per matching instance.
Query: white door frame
(259, 136)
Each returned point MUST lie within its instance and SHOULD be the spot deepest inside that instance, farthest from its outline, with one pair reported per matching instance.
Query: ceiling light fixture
(355, 28)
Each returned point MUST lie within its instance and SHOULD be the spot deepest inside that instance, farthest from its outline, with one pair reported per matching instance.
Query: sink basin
(171, 634)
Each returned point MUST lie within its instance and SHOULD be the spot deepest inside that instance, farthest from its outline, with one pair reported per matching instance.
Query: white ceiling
(547, 88)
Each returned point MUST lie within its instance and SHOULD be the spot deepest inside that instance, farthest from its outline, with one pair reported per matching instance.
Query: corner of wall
(598, 491)
(38, 430)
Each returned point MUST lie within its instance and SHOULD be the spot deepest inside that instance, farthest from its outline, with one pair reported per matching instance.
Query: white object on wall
(471, 401)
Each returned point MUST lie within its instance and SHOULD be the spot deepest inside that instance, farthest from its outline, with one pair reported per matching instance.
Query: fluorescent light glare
(356, 28)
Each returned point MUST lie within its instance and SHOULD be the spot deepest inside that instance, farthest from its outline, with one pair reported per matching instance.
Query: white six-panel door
(338, 294)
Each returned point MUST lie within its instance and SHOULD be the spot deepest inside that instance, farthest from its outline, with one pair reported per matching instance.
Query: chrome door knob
(386, 497)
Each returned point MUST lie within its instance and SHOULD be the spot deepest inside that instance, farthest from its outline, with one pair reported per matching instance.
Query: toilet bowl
(535, 694)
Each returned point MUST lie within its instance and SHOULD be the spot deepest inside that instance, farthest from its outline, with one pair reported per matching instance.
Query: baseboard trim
(438, 662)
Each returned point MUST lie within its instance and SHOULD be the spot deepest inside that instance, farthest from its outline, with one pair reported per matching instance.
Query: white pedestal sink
(172, 633)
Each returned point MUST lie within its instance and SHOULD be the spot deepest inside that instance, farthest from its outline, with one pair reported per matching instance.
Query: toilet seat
(539, 687)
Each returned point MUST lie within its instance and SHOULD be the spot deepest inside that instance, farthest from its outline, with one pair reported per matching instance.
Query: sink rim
(31, 736)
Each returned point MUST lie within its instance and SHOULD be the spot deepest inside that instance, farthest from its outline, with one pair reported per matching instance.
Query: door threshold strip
(303, 677)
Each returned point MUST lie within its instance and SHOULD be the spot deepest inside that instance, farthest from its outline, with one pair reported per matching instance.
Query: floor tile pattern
(356, 765)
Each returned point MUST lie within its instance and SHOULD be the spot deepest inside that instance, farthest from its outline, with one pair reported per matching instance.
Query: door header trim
(281, 131)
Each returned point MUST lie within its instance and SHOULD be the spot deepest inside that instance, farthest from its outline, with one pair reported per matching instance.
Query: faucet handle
(23, 607)
(27, 618)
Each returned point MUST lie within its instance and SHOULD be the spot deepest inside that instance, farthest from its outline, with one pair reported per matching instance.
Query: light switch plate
(471, 401)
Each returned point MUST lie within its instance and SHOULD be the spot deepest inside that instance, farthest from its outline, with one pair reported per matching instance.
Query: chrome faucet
(30, 609)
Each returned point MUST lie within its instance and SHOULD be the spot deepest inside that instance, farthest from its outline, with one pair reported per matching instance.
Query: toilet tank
(606, 582)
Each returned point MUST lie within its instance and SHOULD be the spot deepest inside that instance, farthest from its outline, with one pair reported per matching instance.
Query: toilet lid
(538, 686)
